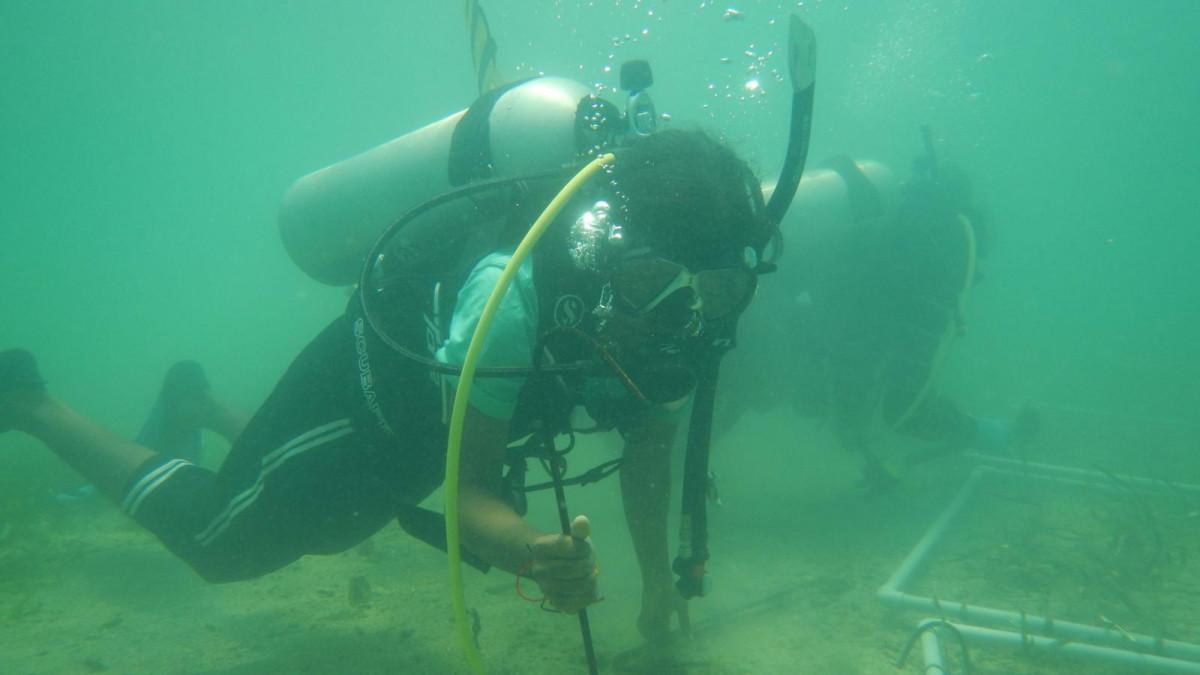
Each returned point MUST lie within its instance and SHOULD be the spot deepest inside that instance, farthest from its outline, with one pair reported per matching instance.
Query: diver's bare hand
(565, 569)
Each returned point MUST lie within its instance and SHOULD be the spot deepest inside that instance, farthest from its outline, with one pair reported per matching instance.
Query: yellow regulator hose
(462, 397)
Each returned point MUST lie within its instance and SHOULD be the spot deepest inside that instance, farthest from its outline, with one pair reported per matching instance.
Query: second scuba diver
(855, 325)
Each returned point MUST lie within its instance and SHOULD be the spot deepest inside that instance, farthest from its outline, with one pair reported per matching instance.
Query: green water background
(144, 148)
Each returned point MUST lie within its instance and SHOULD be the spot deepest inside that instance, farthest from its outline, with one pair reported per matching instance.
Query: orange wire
(521, 593)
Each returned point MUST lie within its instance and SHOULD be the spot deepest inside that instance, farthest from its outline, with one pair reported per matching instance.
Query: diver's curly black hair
(689, 196)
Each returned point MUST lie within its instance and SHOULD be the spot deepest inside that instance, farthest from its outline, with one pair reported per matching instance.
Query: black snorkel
(693, 553)
(802, 69)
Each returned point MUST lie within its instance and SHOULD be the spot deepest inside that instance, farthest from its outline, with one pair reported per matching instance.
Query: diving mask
(644, 283)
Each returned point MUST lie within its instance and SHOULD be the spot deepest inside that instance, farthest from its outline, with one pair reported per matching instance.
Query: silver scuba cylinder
(330, 218)
(832, 208)
(825, 201)
(817, 230)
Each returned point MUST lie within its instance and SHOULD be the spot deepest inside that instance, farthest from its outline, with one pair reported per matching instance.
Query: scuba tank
(834, 207)
(842, 192)
(331, 217)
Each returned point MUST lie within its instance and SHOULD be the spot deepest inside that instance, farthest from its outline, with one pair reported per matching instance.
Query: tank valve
(636, 78)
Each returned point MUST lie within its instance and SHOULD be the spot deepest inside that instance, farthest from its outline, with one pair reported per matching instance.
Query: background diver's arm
(562, 565)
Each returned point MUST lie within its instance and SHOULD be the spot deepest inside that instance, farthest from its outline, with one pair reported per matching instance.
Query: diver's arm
(646, 494)
(491, 529)
(562, 565)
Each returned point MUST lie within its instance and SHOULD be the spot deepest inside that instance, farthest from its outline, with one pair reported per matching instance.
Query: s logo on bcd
(568, 310)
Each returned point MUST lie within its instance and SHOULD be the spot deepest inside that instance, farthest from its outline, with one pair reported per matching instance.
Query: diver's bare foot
(659, 605)
(22, 389)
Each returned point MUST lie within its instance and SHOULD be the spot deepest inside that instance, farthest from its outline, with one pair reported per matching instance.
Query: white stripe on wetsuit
(273, 460)
(308, 435)
(137, 493)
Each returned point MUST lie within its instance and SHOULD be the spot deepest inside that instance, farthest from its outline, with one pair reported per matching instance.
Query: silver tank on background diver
(823, 209)
(330, 218)
(822, 218)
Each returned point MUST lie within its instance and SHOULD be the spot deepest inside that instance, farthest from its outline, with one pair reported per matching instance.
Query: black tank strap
(470, 155)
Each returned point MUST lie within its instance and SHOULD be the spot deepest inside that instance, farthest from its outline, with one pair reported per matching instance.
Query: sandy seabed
(797, 559)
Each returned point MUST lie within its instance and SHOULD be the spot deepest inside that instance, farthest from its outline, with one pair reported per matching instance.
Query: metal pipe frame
(977, 636)
(995, 626)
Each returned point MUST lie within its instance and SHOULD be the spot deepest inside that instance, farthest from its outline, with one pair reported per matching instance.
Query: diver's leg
(105, 459)
(185, 405)
(941, 422)
(936, 420)
(852, 396)
(322, 489)
(949, 430)
(876, 476)
(304, 477)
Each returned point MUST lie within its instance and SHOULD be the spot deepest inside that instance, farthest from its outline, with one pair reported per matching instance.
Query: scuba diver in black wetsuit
(632, 292)
(872, 290)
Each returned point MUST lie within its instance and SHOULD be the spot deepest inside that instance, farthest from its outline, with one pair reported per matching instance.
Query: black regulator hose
(693, 554)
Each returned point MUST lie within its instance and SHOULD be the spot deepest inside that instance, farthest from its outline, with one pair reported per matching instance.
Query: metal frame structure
(987, 626)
